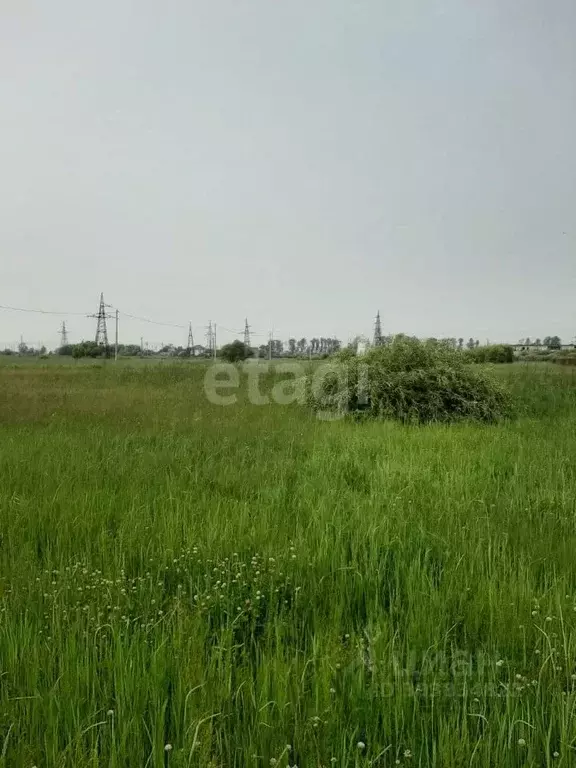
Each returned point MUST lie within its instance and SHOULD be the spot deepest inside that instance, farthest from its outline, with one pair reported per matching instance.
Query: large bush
(409, 380)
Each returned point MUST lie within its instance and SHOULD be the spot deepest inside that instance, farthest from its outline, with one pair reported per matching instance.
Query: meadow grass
(183, 584)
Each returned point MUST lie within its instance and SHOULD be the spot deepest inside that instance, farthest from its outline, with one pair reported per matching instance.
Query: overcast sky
(303, 163)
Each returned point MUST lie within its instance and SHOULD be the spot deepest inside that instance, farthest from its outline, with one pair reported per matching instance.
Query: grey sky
(303, 163)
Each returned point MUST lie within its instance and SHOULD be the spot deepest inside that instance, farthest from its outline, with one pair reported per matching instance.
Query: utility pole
(270, 346)
(116, 341)
(209, 338)
(377, 331)
(141, 346)
(246, 333)
(214, 341)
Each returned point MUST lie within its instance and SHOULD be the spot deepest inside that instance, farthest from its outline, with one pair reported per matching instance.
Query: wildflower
(332, 759)
(168, 748)
(361, 745)
(556, 754)
(110, 713)
(534, 613)
(500, 663)
(273, 761)
(332, 690)
(548, 619)
(407, 753)
(521, 742)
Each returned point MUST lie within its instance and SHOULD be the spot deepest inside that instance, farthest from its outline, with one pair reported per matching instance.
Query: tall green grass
(183, 584)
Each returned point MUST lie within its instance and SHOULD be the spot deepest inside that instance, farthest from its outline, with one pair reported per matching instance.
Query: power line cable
(41, 311)
(152, 322)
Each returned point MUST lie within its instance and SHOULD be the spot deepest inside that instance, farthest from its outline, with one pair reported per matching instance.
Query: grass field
(183, 584)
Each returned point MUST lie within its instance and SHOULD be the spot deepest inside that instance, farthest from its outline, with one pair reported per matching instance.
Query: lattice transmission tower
(246, 333)
(377, 331)
(210, 339)
(63, 336)
(101, 329)
(190, 345)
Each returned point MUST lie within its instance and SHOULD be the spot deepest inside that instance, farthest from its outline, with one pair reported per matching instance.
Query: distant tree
(302, 345)
(7, 351)
(538, 342)
(460, 343)
(277, 348)
(495, 353)
(129, 350)
(292, 346)
(555, 342)
(89, 349)
(477, 343)
(236, 351)
(263, 350)
(471, 344)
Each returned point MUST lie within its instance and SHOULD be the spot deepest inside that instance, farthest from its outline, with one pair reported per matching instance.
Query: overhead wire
(41, 311)
(129, 315)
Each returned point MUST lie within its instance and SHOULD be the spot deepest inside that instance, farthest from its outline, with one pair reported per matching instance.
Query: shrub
(409, 380)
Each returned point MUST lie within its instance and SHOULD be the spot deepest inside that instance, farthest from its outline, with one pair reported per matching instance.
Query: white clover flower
(168, 748)
(521, 742)
(361, 745)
